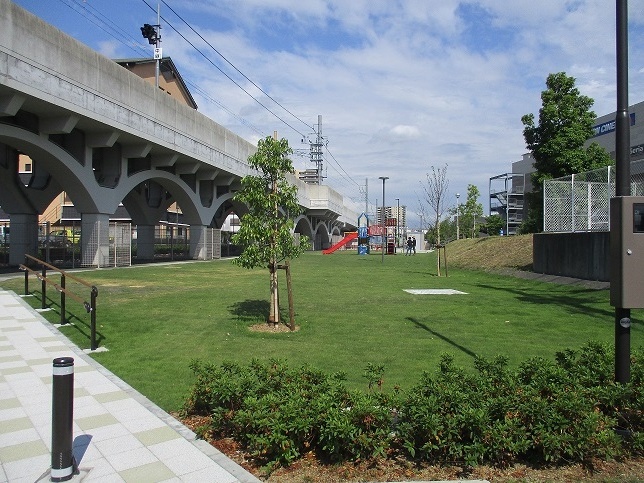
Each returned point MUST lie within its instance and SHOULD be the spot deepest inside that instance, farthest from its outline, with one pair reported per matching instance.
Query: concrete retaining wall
(582, 255)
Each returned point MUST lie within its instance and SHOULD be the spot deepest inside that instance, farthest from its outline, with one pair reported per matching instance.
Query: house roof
(166, 66)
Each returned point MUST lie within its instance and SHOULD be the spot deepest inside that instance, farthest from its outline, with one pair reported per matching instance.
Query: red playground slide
(352, 235)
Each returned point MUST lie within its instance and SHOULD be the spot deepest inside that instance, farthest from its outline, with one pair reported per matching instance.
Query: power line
(232, 65)
(224, 73)
(115, 31)
(245, 122)
(340, 166)
(104, 23)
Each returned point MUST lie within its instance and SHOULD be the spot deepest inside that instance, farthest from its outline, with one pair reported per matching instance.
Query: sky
(401, 85)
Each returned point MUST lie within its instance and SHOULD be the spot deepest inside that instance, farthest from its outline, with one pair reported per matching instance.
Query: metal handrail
(90, 307)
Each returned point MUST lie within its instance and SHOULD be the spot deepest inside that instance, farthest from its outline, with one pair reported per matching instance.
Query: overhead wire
(104, 23)
(245, 122)
(222, 71)
(340, 166)
(233, 66)
(108, 26)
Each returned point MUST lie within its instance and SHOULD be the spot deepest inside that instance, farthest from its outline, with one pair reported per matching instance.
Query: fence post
(62, 457)
(572, 202)
(93, 345)
(26, 277)
(43, 287)
(62, 300)
(609, 195)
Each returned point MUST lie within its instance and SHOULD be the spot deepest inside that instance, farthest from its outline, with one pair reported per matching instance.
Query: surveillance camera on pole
(153, 35)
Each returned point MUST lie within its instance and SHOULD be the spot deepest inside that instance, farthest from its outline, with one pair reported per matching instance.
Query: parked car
(64, 238)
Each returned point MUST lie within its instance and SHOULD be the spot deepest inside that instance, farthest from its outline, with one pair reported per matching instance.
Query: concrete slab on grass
(434, 291)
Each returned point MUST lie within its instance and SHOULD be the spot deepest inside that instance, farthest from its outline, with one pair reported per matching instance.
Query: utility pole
(153, 35)
(157, 48)
(316, 151)
(366, 196)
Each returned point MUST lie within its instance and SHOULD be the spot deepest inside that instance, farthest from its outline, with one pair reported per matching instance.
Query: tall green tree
(557, 142)
(266, 231)
(470, 212)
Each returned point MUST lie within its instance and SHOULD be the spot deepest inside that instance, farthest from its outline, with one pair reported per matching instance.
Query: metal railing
(90, 306)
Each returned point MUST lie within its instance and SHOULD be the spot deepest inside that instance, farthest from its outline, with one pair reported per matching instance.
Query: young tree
(266, 230)
(494, 224)
(557, 142)
(435, 192)
(471, 211)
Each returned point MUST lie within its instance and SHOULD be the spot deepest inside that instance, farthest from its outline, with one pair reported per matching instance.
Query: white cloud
(403, 131)
(401, 85)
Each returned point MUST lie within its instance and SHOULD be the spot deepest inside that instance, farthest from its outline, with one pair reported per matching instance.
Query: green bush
(552, 412)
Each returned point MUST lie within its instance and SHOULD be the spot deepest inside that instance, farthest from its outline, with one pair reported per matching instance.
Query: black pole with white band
(62, 418)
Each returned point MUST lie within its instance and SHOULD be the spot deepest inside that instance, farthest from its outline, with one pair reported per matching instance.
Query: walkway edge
(242, 475)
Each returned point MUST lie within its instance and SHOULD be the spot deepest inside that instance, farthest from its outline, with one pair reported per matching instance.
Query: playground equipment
(348, 238)
(366, 235)
(363, 234)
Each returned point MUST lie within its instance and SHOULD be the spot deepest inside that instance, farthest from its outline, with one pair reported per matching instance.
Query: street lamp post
(397, 222)
(384, 238)
(458, 232)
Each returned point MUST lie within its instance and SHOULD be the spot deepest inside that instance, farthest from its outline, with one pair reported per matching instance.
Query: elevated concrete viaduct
(105, 136)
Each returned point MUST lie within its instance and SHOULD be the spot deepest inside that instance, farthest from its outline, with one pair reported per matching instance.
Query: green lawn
(351, 310)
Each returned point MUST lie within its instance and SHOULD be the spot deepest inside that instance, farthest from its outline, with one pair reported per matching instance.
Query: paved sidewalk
(119, 435)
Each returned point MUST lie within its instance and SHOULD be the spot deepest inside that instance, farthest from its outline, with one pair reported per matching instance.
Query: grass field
(351, 310)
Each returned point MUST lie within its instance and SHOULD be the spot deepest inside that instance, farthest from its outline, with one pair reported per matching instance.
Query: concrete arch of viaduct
(146, 195)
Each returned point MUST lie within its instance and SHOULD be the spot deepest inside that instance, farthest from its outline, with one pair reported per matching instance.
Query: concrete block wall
(582, 255)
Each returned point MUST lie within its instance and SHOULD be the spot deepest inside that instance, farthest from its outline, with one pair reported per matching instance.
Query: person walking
(409, 247)
(413, 244)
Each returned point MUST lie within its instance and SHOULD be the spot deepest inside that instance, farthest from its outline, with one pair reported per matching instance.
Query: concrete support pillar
(95, 239)
(23, 237)
(198, 235)
(145, 242)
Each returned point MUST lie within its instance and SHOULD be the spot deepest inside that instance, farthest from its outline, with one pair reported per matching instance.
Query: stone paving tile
(118, 434)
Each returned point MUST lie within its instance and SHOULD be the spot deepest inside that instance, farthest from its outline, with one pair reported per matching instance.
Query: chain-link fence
(581, 202)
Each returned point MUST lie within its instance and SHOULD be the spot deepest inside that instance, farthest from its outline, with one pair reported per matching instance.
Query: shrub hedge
(562, 411)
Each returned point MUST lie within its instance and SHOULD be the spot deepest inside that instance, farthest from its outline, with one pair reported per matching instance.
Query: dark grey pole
(622, 184)
(62, 418)
(384, 238)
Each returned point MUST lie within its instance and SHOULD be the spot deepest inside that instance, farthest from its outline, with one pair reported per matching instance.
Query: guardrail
(90, 306)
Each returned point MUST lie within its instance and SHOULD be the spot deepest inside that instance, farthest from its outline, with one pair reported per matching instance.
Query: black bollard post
(62, 417)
